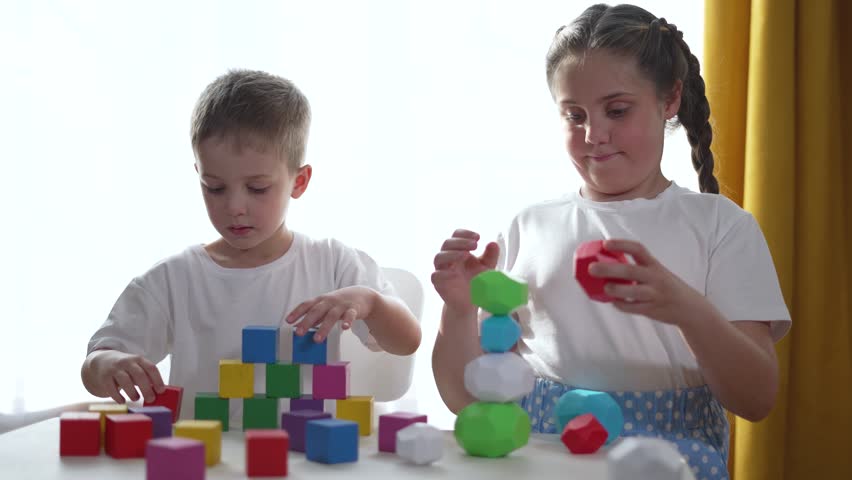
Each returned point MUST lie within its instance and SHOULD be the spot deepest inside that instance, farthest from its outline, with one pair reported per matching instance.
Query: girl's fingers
(123, 380)
(636, 293)
(114, 393)
(312, 317)
(621, 271)
(303, 308)
(333, 315)
(154, 374)
(635, 249)
(349, 317)
(463, 244)
(462, 233)
(446, 259)
(141, 380)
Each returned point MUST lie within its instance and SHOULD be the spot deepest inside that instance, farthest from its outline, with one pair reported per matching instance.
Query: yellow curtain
(779, 81)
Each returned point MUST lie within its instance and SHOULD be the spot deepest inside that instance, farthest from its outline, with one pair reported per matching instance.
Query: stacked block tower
(495, 425)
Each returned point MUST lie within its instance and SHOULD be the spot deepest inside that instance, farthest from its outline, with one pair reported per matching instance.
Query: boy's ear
(300, 183)
(672, 104)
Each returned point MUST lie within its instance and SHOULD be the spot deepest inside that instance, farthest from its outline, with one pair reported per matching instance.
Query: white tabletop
(33, 452)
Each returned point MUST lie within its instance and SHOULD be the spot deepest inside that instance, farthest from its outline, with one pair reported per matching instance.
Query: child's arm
(106, 372)
(390, 322)
(457, 342)
(736, 358)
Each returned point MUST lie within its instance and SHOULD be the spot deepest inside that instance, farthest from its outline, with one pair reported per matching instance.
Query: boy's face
(247, 190)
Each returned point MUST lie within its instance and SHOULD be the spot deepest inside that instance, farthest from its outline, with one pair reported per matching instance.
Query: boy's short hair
(258, 109)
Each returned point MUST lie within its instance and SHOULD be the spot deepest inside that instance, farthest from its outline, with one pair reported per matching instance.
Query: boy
(249, 132)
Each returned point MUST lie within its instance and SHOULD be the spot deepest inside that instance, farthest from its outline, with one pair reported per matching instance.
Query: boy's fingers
(140, 379)
(349, 317)
(447, 259)
(464, 244)
(311, 318)
(114, 393)
(490, 255)
(125, 383)
(333, 315)
(632, 248)
(300, 310)
(462, 233)
(154, 374)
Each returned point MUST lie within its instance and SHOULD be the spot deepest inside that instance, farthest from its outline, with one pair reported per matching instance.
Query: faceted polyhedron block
(497, 293)
(485, 429)
(591, 252)
(390, 423)
(600, 404)
(420, 443)
(644, 457)
(498, 377)
(584, 434)
(499, 334)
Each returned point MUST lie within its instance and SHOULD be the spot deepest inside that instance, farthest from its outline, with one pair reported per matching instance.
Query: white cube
(420, 443)
(640, 457)
(499, 377)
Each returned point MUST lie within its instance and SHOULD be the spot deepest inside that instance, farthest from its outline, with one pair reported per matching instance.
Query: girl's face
(614, 125)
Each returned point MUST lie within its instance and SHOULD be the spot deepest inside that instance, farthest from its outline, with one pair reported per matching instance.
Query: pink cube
(174, 457)
(331, 381)
(390, 423)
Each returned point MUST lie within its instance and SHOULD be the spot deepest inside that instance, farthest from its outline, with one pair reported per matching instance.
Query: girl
(692, 333)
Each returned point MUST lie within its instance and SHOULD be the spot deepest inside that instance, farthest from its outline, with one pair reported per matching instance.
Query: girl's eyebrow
(605, 98)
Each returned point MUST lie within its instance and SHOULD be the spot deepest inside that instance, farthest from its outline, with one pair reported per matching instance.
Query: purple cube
(161, 417)
(390, 423)
(174, 457)
(307, 403)
(331, 381)
(294, 423)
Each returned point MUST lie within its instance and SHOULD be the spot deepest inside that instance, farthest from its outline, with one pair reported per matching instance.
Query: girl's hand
(455, 267)
(658, 293)
(115, 371)
(345, 305)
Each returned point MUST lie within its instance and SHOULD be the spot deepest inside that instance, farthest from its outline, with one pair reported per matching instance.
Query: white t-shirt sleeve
(357, 268)
(741, 280)
(138, 324)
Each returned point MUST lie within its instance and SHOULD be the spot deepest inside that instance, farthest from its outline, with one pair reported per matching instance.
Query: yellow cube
(359, 410)
(105, 409)
(208, 432)
(236, 379)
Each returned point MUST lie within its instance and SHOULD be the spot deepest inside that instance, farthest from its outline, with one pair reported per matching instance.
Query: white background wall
(428, 116)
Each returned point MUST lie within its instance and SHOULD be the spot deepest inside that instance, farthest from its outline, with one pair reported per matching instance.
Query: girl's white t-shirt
(194, 309)
(705, 239)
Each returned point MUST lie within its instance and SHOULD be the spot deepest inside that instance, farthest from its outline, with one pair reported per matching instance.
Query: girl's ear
(672, 103)
(301, 181)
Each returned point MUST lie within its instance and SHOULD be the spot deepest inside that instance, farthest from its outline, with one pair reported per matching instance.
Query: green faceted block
(209, 406)
(260, 411)
(486, 429)
(498, 293)
(283, 380)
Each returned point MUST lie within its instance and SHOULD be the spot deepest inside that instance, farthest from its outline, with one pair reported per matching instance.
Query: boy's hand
(455, 267)
(113, 371)
(658, 293)
(345, 305)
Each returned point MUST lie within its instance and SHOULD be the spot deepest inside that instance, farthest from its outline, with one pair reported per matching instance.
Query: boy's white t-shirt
(194, 309)
(705, 239)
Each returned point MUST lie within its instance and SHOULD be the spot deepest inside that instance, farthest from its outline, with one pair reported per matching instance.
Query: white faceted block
(420, 443)
(640, 457)
(499, 377)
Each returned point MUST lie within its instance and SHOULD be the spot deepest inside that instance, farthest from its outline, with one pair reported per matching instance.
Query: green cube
(283, 381)
(209, 406)
(260, 411)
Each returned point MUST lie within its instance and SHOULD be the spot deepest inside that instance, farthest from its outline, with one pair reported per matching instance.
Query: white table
(33, 453)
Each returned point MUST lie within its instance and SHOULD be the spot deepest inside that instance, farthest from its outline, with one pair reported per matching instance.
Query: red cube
(171, 399)
(584, 434)
(591, 252)
(126, 435)
(80, 434)
(266, 453)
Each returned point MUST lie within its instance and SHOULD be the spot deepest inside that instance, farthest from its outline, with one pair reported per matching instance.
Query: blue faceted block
(499, 334)
(260, 344)
(331, 441)
(307, 351)
(574, 403)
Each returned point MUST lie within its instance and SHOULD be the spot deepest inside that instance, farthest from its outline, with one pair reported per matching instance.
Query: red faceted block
(584, 434)
(591, 252)
(127, 435)
(170, 399)
(266, 453)
(80, 434)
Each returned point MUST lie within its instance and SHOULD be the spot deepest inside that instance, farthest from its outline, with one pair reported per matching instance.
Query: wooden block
(259, 412)
(79, 434)
(105, 409)
(331, 441)
(160, 416)
(210, 406)
(171, 398)
(358, 410)
(260, 344)
(295, 424)
(127, 435)
(307, 351)
(283, 380)
(307, 402)
(266, 453)
(331, 381)
(208, 432)
(174, 458)
(391, 423)
(236, 379)
(588, 253)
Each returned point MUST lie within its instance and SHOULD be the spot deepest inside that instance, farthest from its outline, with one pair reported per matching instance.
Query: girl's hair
(661, 54)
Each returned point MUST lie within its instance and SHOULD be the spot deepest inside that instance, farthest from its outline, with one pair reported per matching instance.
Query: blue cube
(331, 441)
(260, 344)
(307, 351)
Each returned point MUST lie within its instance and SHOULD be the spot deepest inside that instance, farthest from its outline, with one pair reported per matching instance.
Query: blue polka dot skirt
(690, 418)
